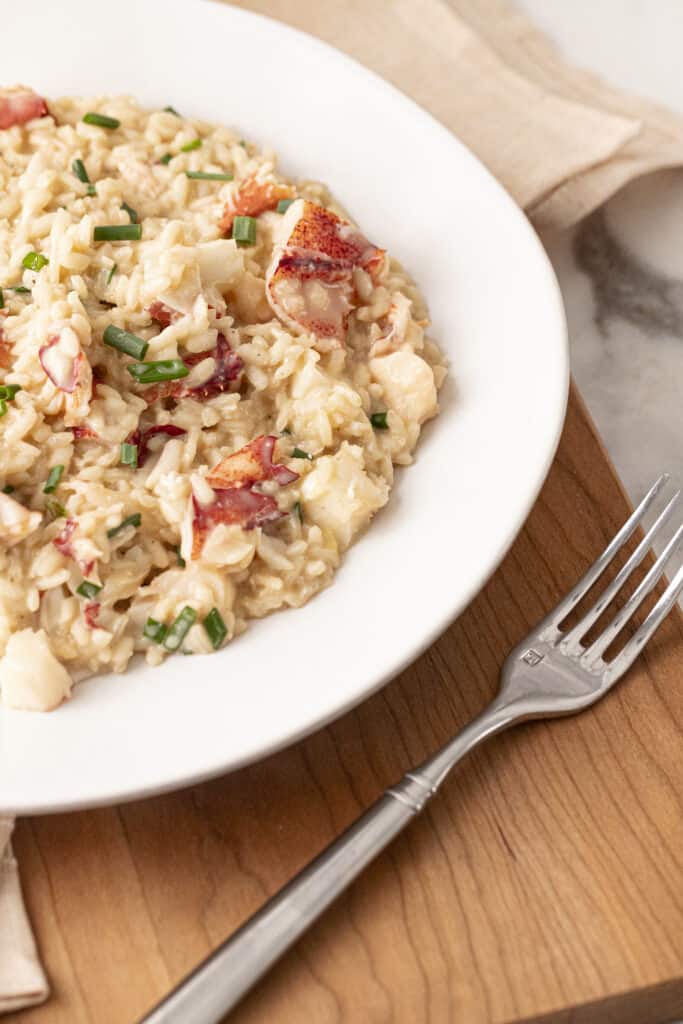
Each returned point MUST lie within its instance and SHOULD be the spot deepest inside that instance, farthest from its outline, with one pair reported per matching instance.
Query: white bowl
(496, 311)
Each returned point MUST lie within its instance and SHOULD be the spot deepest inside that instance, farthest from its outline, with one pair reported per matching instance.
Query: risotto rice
(207, 376)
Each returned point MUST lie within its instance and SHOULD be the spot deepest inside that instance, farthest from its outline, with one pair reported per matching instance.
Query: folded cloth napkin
(560, 140)
(22, 979)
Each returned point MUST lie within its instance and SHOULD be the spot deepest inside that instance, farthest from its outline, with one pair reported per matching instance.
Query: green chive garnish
(111, 273)
(299, 453)
(179, 558)
(55, 509)
(155, 631)
(158, 371)
(3, 407)
(126, 342)
(101, 120)
(2, 300)
(53, 478)
(8, 489)
(215, 628)
(180, 628)
(189, 146)
(129, 455)
(166, 158)
(20, 289)
(172, 110)
(34, 261)
(88, 590)
(298, 511)
(118, 233)
(134, 520)
(8, 391)
(379, 421)
(284, 205)
(208, 175)
(286, 431)
(134, 219)
(244, 230)
(78, 167)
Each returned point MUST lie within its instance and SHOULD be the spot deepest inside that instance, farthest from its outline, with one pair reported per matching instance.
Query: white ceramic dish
(496, 310)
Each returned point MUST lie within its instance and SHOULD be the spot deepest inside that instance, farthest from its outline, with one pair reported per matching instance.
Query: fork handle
(219, 983)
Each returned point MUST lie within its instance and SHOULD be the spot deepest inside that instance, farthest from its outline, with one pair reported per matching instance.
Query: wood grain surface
(544, 883)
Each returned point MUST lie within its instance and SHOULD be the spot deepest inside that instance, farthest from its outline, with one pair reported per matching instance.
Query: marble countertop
(621, 272)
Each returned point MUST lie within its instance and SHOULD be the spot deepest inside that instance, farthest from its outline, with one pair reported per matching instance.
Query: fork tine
(601, 644)
(630, 652)
(600, 564)
(571, 639)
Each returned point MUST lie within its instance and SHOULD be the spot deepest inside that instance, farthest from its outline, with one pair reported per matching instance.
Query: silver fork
(549, 673)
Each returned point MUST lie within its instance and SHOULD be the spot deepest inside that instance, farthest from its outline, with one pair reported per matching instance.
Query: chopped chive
(2, 300)
(8, 489)
(179, 558)
(244, 230)
(55, 509)
(8, 391)
(78, 167)
(129, 455)
(118, 233)
(34, 261)
(124, 341)
(283, 205)
(166, 158)
(101, 120)
(88, 590)
(243, 143)
(53, 478)
(180, 628)
(286, 431)
(189, 146)
(160, 370)
(299, 453)
(215, 628)
(20, 289)
(3, 407)
(134, 520)
(208, 175)
(297, 509)
(171, 110)
(133, 214)
(155, 631)
(379, 421)
(111, 273)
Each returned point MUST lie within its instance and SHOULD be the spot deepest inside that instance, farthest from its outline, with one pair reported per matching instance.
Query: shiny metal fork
(549, 673)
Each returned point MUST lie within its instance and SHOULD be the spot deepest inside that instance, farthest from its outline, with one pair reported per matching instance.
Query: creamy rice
(305, 357)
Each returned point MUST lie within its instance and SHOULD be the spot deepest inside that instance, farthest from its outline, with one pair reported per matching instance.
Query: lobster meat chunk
(309, 282)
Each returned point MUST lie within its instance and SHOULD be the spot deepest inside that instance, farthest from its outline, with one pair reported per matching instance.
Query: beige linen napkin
(559, 139)
(22, 980)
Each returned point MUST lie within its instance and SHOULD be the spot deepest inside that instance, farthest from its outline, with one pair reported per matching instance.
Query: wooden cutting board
(544, 883)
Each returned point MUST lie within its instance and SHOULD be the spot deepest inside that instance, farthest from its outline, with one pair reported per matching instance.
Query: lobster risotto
(207, 376)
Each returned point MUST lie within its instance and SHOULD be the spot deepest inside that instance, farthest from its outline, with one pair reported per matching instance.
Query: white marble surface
(626, 317)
